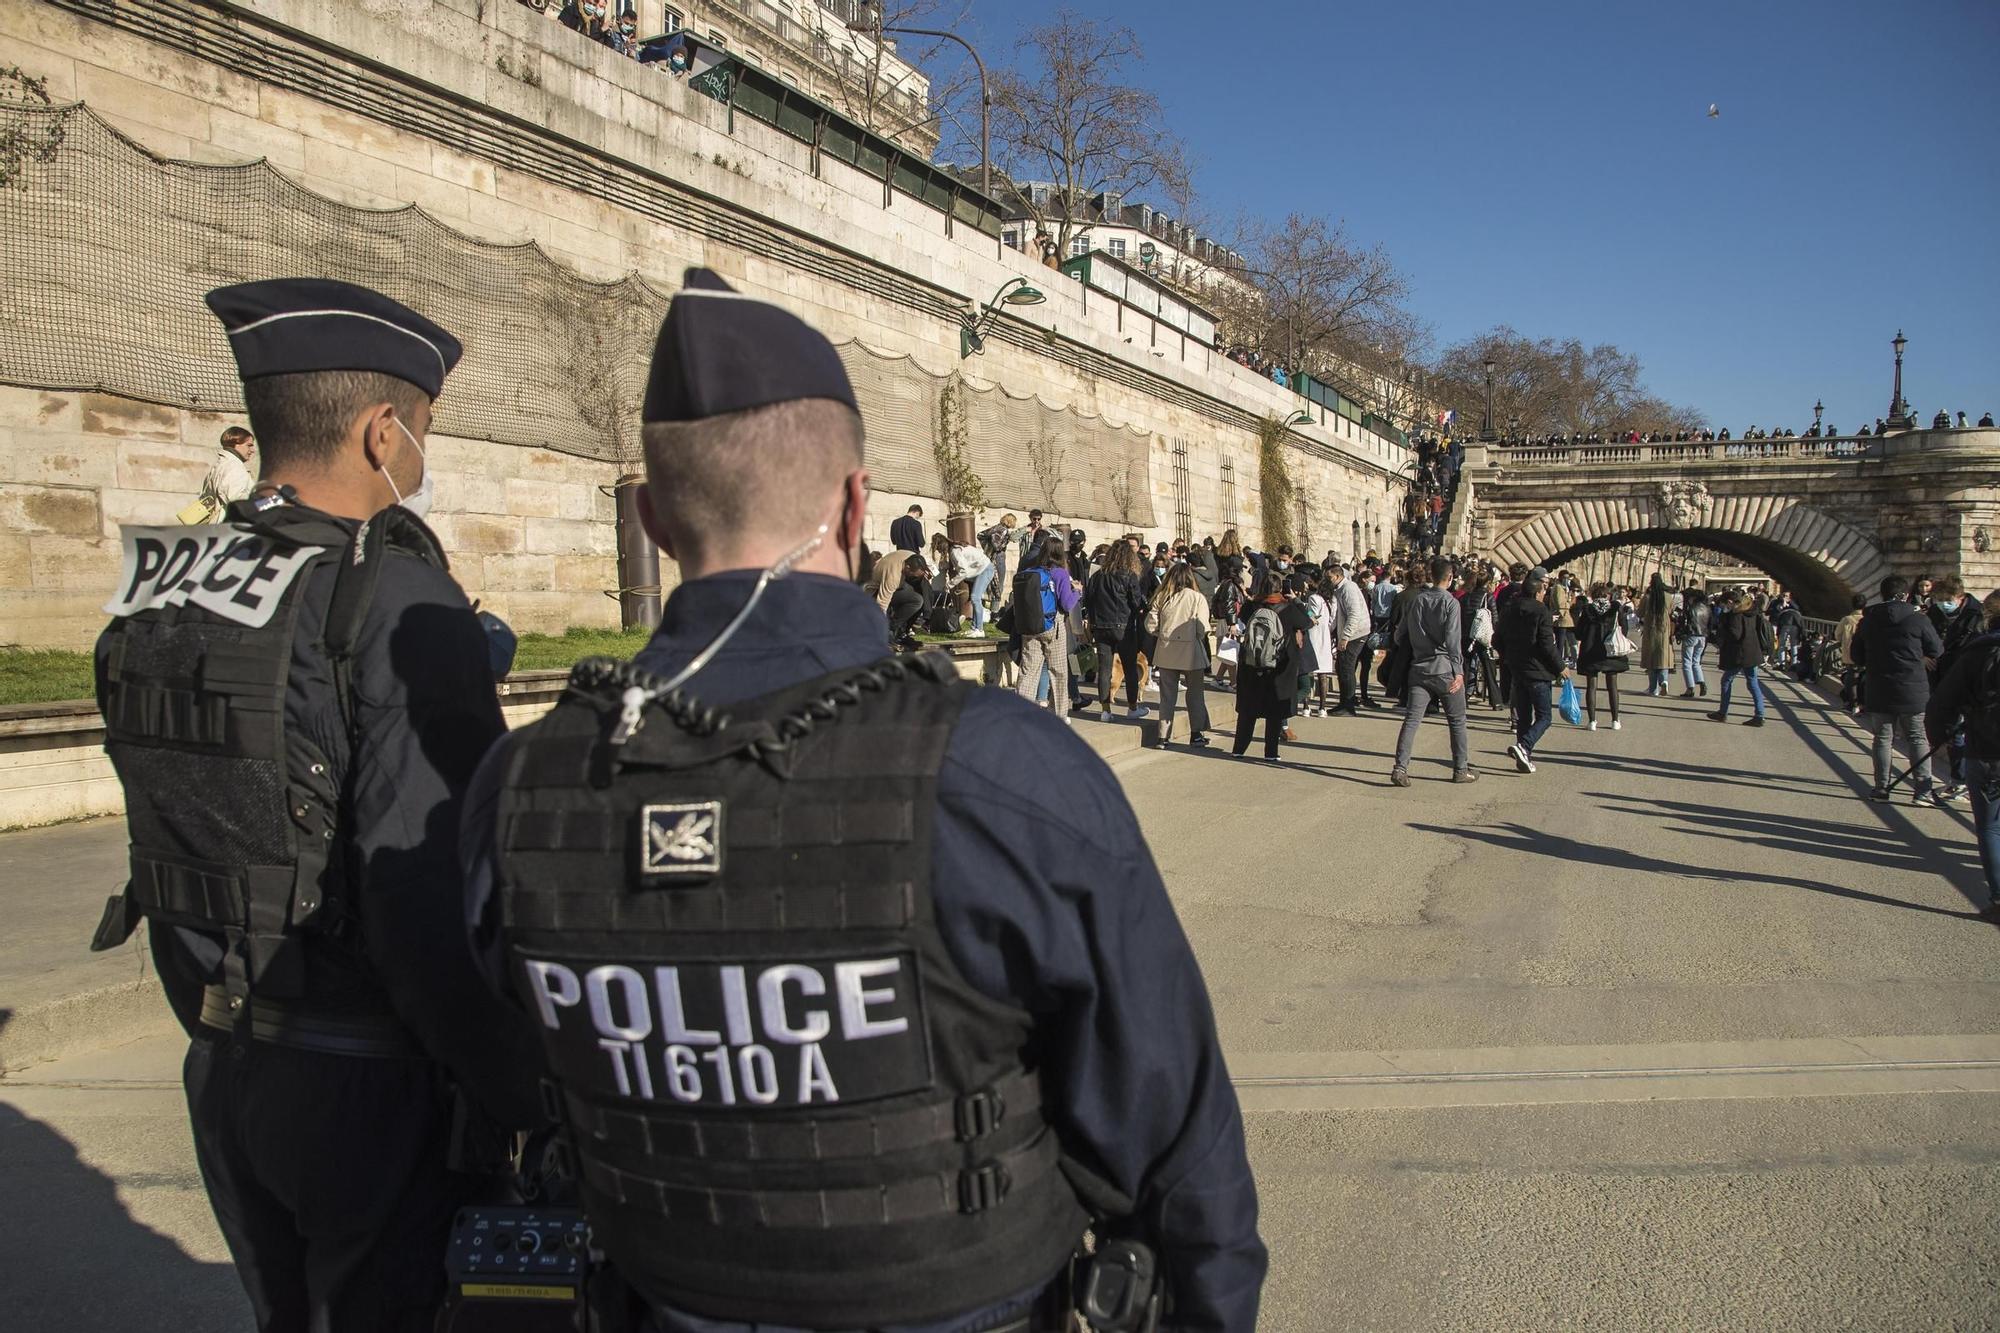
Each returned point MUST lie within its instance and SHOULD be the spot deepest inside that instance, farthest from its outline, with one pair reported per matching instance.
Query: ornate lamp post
(1819, 410)
(1486, 435)
(1899, 411)
(869, 23)
(973, 323)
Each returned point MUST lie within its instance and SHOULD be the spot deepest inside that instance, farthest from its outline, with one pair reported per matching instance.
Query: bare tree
(1555, 386)
(1324, 297)
(1066, 114)
(1045, 456)
(877, 85)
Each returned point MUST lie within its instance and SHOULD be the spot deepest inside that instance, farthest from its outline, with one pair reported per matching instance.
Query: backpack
(1227, 603)
(1263, 640)
(1034, 603)
(994, 539)
(1765, 642)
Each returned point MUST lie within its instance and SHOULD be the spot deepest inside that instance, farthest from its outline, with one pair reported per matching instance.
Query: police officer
(860, 990)
(294, 701)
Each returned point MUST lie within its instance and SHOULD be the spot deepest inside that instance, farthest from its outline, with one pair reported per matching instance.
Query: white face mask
(419, 501)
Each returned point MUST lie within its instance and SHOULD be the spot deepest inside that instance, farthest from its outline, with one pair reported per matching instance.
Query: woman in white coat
(1178, 619)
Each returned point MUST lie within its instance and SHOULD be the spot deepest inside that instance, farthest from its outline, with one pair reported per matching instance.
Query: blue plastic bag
(1570, 706)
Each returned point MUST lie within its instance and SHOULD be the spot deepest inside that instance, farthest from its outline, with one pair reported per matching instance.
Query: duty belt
(361, 1035)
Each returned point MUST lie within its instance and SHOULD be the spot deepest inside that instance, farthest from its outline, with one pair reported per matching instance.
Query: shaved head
(748, 480)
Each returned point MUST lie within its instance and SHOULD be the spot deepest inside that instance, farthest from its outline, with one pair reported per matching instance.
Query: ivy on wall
(963, 491)
(1274, 482)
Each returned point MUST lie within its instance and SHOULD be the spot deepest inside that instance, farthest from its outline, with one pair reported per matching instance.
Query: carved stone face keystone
(1683, 504)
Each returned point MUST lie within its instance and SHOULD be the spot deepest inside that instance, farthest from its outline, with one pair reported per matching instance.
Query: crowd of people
(1101, 625)
(1818, 430)
(1427, 508)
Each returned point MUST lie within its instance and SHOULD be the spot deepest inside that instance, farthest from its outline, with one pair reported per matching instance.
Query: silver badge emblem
(681, 839)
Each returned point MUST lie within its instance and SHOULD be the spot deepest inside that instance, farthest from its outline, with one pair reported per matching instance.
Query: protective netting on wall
(107, 249)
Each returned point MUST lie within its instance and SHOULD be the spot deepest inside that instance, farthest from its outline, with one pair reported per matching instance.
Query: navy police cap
(287, 325)
(720, 351)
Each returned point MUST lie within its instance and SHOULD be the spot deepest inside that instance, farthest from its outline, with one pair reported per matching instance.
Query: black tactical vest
(785, 1102)
(232, 816)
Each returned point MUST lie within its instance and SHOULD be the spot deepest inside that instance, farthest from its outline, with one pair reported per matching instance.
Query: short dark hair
(917, 509)
(234, 434)
(1947, 585)
(1441, 569)
(1893, 587)
(300, 419)
(1859, 603)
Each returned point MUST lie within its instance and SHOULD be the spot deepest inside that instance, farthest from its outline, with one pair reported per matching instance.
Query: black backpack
(1982, 702)
(1031, 613)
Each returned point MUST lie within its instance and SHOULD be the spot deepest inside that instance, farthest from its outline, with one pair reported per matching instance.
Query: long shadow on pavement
(1790, 833)
(1540, 842)
(75, 1258)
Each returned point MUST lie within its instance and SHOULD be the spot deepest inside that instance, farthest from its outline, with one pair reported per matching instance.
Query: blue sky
(1551, 166)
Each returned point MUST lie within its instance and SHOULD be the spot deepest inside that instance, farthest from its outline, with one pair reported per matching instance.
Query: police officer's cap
(288, 325)
(720, 351)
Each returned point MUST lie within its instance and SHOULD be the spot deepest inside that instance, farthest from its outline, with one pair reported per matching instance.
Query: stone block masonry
(509, 128)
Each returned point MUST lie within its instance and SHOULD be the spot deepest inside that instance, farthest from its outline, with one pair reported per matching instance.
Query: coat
(1891, 645)
(1526, 638)
(1180, 625)
(1656, 641)
(1113, 604)
(1739, 639)
(1594, 630)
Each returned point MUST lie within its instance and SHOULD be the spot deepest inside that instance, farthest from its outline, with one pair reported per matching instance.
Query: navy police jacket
(1047, 897)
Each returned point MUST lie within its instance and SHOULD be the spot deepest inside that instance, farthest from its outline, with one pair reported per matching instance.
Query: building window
(670, 22)
(717, 38)
(1079, 245)
(1116, 246)
(1011, 239)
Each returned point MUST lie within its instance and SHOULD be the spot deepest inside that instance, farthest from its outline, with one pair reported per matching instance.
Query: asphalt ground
(1679, 1032)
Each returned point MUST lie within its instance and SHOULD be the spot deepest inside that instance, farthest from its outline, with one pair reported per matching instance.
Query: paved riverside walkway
(1678, 1032)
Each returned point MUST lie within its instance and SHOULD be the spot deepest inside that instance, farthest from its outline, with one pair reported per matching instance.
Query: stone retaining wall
(507, 127)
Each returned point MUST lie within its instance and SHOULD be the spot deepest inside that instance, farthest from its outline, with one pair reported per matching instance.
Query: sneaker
(972, 632)
(1925, 797)
(1197, 742)
(1593, 724)
(1687, 694)
(1614, 724)
(1523, 762)
(1753, 722)
(1140, 711)
(1718, 717)
(1104, 713)
(1465, 775)
(1952, 795)
(1879, 794)
(1399, 777)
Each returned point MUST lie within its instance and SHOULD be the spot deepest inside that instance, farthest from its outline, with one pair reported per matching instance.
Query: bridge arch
(1824, 559)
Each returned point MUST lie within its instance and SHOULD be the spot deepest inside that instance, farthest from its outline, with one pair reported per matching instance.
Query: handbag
(1620, 645)
(202, 509)
(1570, 706)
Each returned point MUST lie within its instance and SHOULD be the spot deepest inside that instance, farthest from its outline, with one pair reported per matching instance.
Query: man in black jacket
(1966, 693)
(1957, 619)
(1896, 647)
(1526, 637)
(907, 532)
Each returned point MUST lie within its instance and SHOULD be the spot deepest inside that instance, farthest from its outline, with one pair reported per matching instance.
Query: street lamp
(1486, 425)
(1014, 291)
(862, 25)
(1899, 411)
(1299, 418)
(1819, 410)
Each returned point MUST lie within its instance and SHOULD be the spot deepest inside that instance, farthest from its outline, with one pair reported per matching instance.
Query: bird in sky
(1714, 111)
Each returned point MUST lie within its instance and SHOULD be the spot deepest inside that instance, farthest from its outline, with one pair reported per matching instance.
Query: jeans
(1983, 777)
(1656, 679)
(1756, 687)
(1418, 703)
(1045, 664)
(1197, 702)
(1691, 650)
(1915, 748)
(1351, 661)
(1532, 713)
(1116, 655)
(980, 584)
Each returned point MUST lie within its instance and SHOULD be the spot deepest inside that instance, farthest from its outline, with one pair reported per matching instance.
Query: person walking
(1430, 630)
(1528, 648)
(1476, 612)
(1656, 636)
(1742, 643)
(229, 478)
(1353, 623)
(1044, 656)
(1843, 638)
(1968, 695)
(1178, 621)
(1602, 650)
(1266, 672)
(1892, 647)
(1113, 609)
(1695, 613)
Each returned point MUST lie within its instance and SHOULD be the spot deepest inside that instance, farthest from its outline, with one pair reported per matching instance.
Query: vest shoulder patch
(228, 570)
